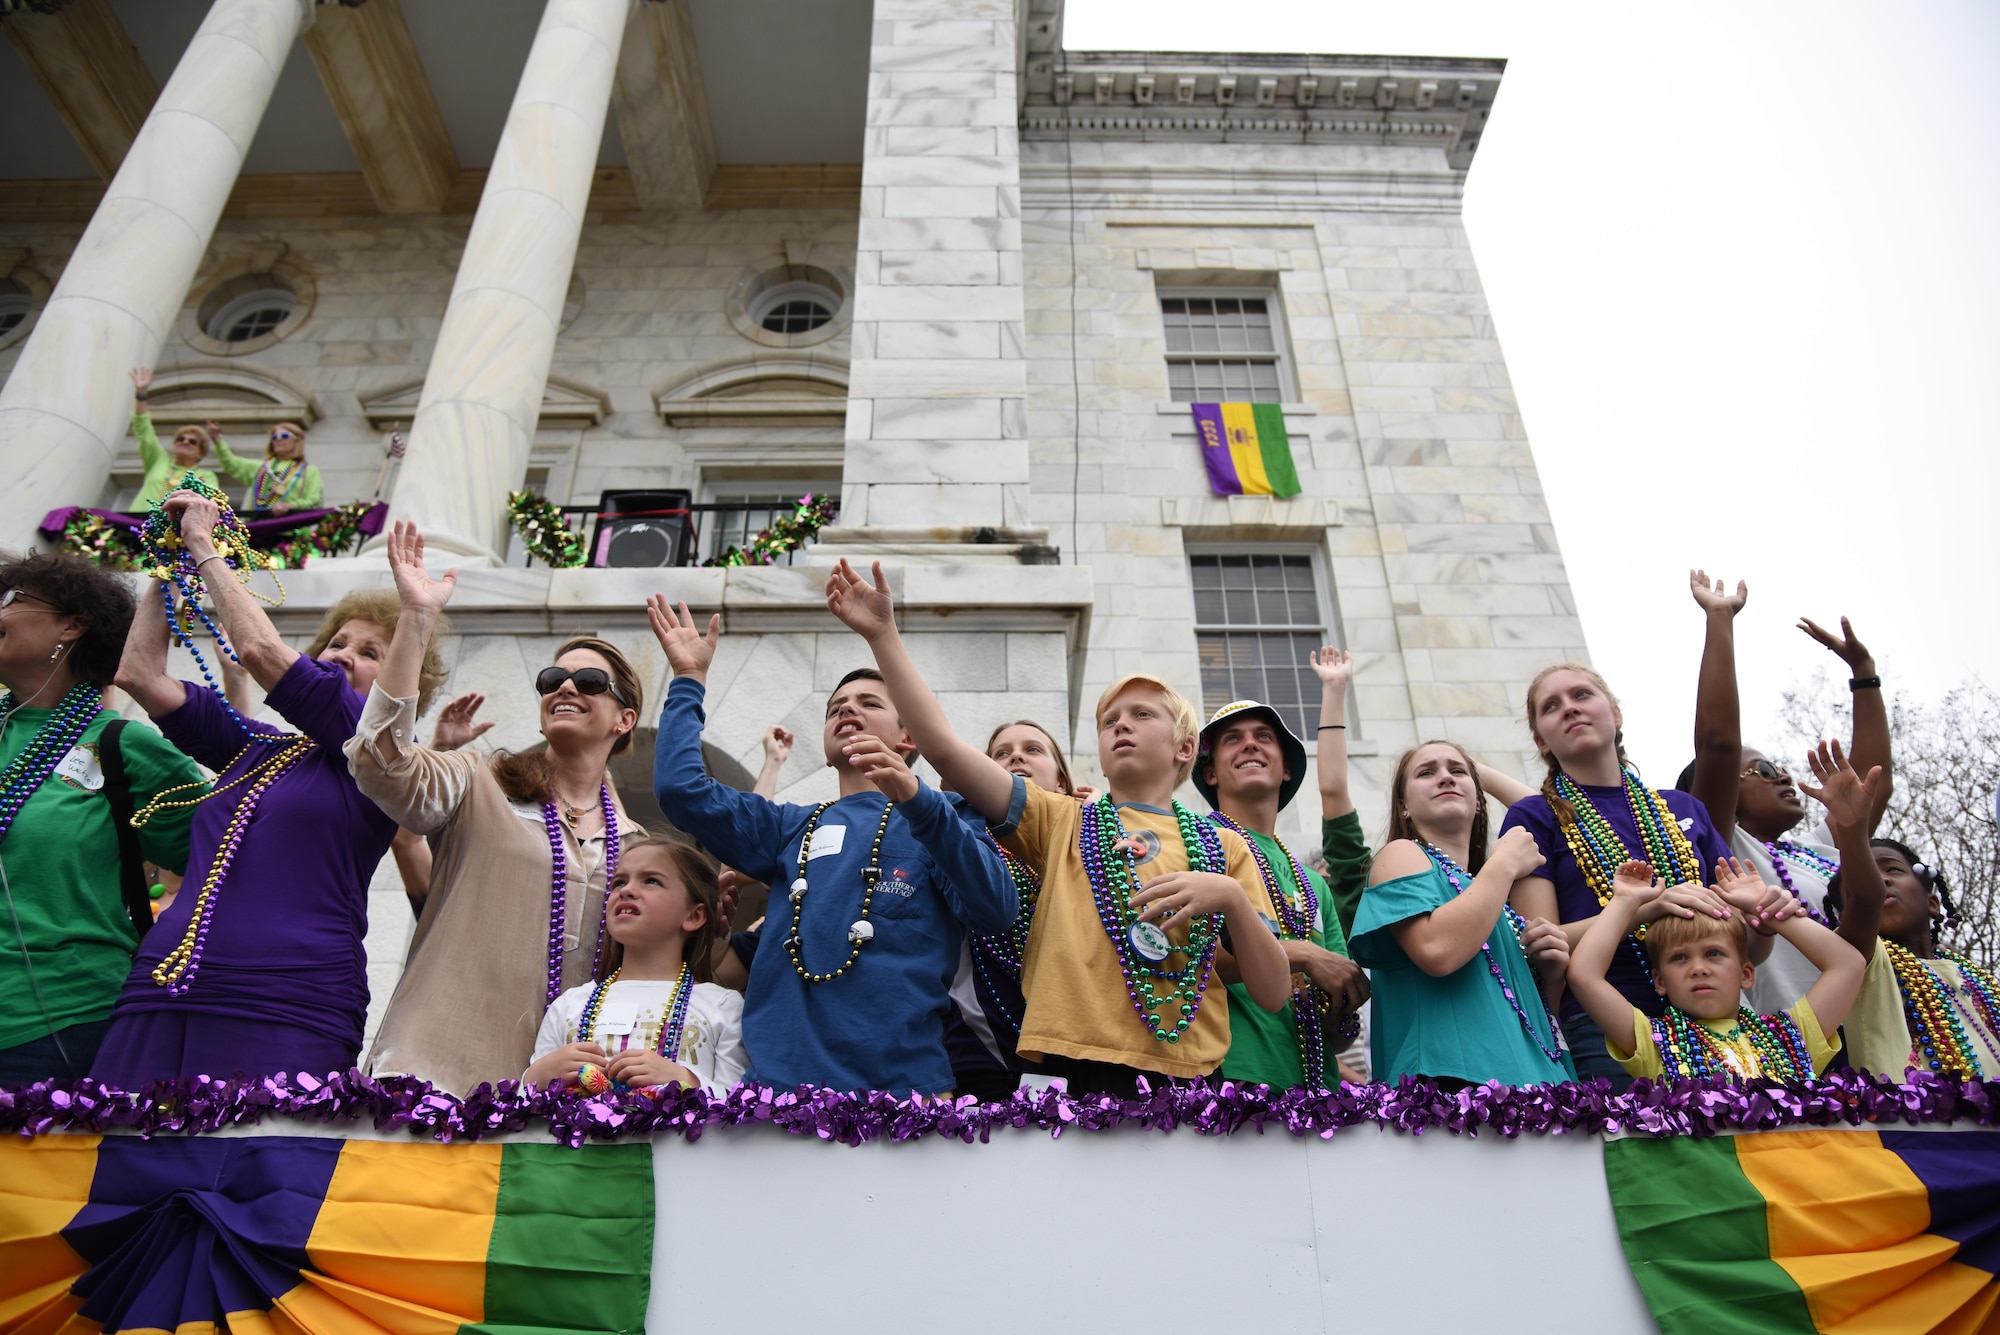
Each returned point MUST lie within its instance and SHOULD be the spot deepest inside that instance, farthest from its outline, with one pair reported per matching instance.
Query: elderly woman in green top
(282, 481)
(164, 468)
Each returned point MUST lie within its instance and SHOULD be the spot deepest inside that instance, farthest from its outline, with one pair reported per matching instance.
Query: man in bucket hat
(1249, 765)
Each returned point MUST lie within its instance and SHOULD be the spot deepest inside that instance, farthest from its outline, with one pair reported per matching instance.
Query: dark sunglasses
(588, 681)
(1769, 773)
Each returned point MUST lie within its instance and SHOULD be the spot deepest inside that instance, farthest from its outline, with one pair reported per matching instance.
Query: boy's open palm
(1635, 881)
(689, 651)
(1848, 798)
(867, 609)
(1334, 667)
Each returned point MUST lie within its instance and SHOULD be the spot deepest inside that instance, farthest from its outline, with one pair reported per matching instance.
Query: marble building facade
(575, 302)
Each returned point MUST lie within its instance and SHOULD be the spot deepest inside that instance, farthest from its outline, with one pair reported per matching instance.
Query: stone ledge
(1239, 514)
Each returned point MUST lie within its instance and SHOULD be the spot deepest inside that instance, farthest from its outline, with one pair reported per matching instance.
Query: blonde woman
(524, 845)
(282, 481)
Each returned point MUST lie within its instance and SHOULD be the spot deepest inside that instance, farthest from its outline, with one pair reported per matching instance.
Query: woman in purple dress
(258, 966)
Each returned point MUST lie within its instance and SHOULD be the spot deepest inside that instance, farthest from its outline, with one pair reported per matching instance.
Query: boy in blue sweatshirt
(871, 894)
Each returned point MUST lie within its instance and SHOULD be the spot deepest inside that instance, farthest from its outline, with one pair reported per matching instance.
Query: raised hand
(214, 429)
(419, 592)
(1740, 886)
(454, 727)
(1634, 880)
(142, 380)
(689, 651)
(1851, 651)
(1718, 598)
(1333, 666)
(1848, 798)
(778, 742)
(195, 517)
(864, 608)
(1517, 852)
(882, 765)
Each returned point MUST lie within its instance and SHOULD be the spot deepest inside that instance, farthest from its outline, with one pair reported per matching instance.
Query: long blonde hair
(1565, 813)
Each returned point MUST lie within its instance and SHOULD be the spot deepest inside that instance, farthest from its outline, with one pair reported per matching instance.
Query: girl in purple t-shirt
(1592, 814)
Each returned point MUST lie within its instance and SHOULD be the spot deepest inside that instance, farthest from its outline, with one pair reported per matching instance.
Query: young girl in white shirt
(648, 1023)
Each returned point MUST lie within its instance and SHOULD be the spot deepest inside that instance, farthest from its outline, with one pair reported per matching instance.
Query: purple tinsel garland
(1690, 1108)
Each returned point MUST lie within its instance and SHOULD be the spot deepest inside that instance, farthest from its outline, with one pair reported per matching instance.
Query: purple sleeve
(203, 729)
(1709, 845)
(1532, 814)
(315, 698)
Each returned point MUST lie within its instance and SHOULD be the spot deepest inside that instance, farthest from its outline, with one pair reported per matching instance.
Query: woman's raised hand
(1717, 598)
(689, 651)
(1334, 667)
(1848, 798)
(195, 517)
(142, 380)
(455, 727)
(1852, 651)
(864, 608)
(419, 592)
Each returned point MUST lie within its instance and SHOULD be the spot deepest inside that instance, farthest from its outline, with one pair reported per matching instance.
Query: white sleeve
(728, 1059)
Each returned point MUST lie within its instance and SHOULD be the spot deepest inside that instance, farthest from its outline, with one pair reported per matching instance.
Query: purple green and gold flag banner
(1849, 1231)
(1245, 449)
(304, 1235)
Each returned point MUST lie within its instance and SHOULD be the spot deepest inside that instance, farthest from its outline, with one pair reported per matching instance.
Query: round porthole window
(252, 315)
(794, 308)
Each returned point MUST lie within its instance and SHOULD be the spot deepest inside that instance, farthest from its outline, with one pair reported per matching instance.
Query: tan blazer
(475, 983)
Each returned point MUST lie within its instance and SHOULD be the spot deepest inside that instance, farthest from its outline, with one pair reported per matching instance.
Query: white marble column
(63, 410)
(476, 420)
(937, 418)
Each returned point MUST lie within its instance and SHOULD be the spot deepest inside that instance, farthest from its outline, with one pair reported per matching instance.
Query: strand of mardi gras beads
(672, 1025)
(164, 555)
(176, 972)
(559, 887)
(1452, 875)
(997, 956)
(1931, 1012)
(1780, 850)
(861, 931)
(1599, 850)
(1980, 986)
(1295, 924)
(263, 496)
(56, 738)
(1143, 948)
(1690, 1051)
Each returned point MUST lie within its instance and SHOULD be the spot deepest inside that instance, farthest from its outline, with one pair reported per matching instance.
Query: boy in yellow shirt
(1142, 901)
(1701, 965)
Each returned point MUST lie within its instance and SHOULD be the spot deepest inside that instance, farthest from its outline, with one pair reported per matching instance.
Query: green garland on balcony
(333, 535)
(548, 539)
(97, 539)
(787, 534)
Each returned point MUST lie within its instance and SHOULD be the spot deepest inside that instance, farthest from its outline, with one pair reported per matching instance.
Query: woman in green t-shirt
(66, 931)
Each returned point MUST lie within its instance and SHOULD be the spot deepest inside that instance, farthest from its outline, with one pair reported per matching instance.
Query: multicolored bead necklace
(1458, 878)
(176, 972)
(1780, 849)
(272, 483)
(1311, 1007)
(559, 886)
(1599, 851)
(1143, 948)
(163, 554)
(671, 1026)
(56, 738)
(1932, 1011)
(997, 956)
(1690, 1051)
(862, 930)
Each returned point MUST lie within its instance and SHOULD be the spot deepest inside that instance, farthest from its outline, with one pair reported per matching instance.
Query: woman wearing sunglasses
(1756, 801)
(164, 467)
(282, 481)
(523, 847)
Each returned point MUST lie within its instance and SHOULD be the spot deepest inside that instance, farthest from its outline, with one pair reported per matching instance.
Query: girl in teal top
(164, 471)
(282, 481)
(1456, 997)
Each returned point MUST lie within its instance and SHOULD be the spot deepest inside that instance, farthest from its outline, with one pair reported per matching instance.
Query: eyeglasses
(7, 599)
(1768, 772)
(588, 681)
(284, 435)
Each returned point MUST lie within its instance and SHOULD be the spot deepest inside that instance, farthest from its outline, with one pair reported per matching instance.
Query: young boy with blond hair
(1701, 965)
(1142, 901)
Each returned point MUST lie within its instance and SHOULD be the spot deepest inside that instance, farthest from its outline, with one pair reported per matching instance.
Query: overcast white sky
(1745, 267)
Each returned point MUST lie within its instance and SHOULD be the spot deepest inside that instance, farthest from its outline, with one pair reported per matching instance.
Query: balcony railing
(713, 527)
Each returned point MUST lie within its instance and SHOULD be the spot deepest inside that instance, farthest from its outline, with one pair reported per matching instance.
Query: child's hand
(1546, 946)
(688, 651)
(1182, 896)
(882, 765)
(1685, 900)
(560, 1067)
(643, 1068)
(1635, 881)
(1848, 798)
(1516, 852)
(1334, 667)
(1740, 886)
(729, 890)
(1085, 793)
(864, 608)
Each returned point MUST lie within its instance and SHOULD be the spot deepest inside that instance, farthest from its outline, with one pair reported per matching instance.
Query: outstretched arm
(256, 641)
(778, 742)
(1850, 808)
(423, 599)
(1870, 743)
(1718, 712)
(1335, 668)
(1501, 786)
(868, 611)
(1633, 888)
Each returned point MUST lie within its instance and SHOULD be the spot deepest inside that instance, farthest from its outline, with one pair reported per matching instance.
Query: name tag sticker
(617, 1019)
(827, 840)
(80, 769)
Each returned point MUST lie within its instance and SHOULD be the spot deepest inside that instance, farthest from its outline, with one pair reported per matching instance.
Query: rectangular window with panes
(745, 509)
(1224, 347)
(1257, 615)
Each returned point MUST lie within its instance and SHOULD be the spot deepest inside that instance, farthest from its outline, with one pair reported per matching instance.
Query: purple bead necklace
(1780, 849)
(559, 887)
(1452, 874)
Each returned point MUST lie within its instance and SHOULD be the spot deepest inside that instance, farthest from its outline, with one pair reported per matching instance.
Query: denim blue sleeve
(745, 831)
(1017, 807)
(976, 883)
